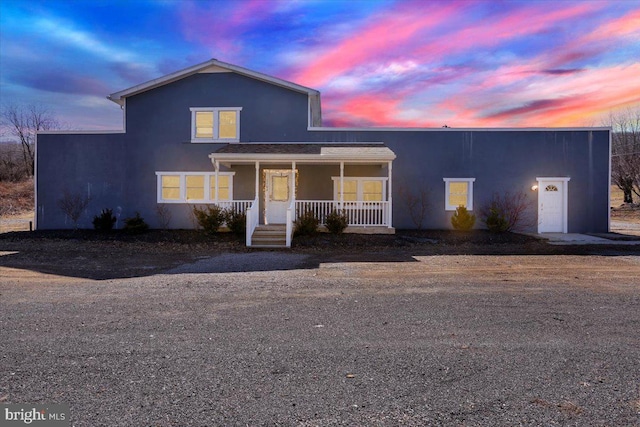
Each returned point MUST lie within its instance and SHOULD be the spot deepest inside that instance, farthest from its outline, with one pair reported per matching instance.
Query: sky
(377, 63)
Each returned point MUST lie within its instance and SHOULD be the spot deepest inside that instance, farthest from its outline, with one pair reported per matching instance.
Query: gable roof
(210, 65)
(213, 65)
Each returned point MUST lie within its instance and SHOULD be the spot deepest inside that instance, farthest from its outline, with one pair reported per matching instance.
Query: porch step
(269, 236)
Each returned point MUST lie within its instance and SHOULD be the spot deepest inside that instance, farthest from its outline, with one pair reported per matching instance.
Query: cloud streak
(377, 63)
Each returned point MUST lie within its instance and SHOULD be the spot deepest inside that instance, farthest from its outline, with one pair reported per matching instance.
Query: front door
(278, 196)
(551, 206)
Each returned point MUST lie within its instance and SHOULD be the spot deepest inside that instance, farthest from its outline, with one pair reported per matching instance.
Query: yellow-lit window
(458, 193)
(228, 124)
(372, 191)
(195, 187)
(350, 190)
(223, 187)
(204, 124)
(171, 187)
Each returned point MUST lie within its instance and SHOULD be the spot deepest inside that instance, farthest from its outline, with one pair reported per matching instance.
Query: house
(216, 133)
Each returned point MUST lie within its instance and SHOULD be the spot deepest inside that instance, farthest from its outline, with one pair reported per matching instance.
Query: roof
(303, 153)
(212, 65)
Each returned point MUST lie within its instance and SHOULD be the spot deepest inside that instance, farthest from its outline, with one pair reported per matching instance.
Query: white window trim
(183, 186)
(359, 186)
(216, 127)
(447, 181)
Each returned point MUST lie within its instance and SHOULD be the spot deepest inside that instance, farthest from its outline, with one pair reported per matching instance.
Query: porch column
(257, 180)
(293, 182)
(217, 168)
(390, 197)
(341, 185)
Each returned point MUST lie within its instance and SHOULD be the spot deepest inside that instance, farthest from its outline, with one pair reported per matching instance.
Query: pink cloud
(385, 34)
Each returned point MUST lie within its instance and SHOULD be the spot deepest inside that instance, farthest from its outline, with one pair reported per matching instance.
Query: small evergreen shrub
(306, 224)
(496, 221)
(209, 218)
(104, 221)
(135, 225)
(336, 222)
(236, 221)
(462, 219)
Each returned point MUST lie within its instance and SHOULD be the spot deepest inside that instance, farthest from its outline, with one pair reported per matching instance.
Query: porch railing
(253, 218)
(291, 211)
(237, 205)
(359, 213)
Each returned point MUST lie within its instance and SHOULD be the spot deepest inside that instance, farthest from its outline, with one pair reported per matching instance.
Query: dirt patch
(94, 255)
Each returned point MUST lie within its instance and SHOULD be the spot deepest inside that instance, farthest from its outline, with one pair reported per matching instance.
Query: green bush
(496, 221)
(336, 222)
(209, 218)
(135, 225)
(236, 221)
(462, 219)
(104, 221)
(306, 224)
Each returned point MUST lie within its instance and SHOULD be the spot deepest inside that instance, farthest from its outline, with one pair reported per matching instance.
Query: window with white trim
(458, 192)
(368, 189)
(215, 124)
(194, 187)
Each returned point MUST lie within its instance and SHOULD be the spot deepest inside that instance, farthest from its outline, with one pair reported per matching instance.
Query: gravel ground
(451, 340)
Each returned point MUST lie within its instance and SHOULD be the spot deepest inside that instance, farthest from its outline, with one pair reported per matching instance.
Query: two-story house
(216, 133)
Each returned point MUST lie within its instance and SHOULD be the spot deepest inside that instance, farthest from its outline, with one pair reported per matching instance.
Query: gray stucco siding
(89, 165)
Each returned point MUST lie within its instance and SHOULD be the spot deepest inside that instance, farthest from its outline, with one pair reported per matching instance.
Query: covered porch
(286, 180)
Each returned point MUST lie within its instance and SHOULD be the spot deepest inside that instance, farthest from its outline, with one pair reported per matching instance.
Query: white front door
(278, 196)
(552, 209)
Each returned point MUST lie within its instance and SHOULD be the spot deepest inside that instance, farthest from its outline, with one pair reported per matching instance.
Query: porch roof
(303, 153)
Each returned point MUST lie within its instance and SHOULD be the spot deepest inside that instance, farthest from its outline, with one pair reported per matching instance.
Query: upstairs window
(458, 192)
(215, 124)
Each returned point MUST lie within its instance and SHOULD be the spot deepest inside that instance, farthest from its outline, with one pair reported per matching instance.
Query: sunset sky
(376, 63)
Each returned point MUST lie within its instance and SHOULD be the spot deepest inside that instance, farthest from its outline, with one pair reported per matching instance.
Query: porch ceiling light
(534, 187)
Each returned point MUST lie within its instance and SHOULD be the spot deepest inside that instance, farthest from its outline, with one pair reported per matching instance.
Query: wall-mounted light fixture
(534, 187)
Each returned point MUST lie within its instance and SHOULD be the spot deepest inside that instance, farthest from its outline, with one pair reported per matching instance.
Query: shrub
(236, 221)
(209, 218)
(508, 212)
(336, 222)
(495, 220)
(306, 224)
(164, 216)
(135, 225)
(104, 221)
(462, 219)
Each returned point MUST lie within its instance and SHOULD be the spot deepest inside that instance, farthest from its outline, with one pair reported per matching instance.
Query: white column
(390, 197)
(217, 168)
(341, 185)
(293, 181)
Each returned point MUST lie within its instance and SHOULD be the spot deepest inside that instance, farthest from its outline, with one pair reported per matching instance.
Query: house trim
(449, 129)
(216, 124)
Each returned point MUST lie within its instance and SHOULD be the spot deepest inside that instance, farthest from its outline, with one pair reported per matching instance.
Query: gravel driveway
(437, 340)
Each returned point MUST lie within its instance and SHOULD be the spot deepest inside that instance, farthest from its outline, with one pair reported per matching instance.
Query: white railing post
(253, 215)
(289, 224)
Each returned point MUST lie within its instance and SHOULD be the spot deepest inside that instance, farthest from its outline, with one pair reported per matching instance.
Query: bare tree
(73, 205)
(23, 123)
(416, 201)
(625, 153)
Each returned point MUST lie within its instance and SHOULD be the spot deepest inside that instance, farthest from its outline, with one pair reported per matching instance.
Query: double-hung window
(367, 189)
(194, 187)
(458, 192)
(215, 124)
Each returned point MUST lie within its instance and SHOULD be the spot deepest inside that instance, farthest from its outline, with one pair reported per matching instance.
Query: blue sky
(377, 63)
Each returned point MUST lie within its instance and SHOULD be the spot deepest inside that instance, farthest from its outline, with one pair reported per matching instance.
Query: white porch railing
(291, 212)
(253, 218)
(359, 213)
(237, 205)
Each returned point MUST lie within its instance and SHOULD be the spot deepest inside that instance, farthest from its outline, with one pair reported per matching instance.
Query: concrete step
(269, 236)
